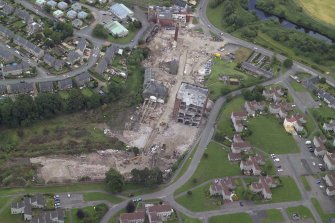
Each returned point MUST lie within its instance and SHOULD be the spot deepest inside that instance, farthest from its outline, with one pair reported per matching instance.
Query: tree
(130, 207)
(189, 193)
(147, 177)
(288, 63)
(100, 32)
(80, 214)
(322, 80)
(205, 156)
(114, 180)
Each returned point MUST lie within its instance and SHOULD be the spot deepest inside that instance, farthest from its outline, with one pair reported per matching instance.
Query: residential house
(77, 23)
(159, 212)
(330, 183)
(280, 108)
(25, 207)
(81, 46)
(3, 89)
(223, 188)
(237, 118)
(56, 216)
(49, 60)
(264, 186)
(82, 79)
(8, 9)
(15, 69)
(237, 138)
(253, 106)
(108, 57)
(46, 86)
(34, 27)
(73, 57)
(62, 5)
(329, 160)
(71, 14)
(250, 167)
(6, 56)
(238, 147)
(23, 14)
(76, 7)
(329, 126)
(20, 88)
(82, 15)
(6, 32)
(135, 217)
(40, 2)
(52, 3)
(65, 84)
(320, 148)
(234, 157)
(29, 46)
(59, 64)
(294, 124)
(273, 94)
(58, 14)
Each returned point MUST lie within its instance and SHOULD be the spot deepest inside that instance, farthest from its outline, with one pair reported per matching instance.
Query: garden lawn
(224, 124)
(288, 192)
(222, 67)
(98, 196)
(305, 183)
(91, 213)
(270, 136)
(214, 16)
(324, 216)
(186, 219)
(273, 215)
(216, 165)
(324, 111)
(297, 86)
(199, 200)
(5, 215)
(302, 211)
(87, 92)
(229, 218)
(125, 39)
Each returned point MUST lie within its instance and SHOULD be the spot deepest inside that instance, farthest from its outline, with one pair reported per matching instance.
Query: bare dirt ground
(151, 127)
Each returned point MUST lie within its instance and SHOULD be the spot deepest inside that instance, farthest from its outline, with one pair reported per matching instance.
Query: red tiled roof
(240, 114)
(331, 157)
(160, 208)
(240, 144)
(125, 217)
(234, 156)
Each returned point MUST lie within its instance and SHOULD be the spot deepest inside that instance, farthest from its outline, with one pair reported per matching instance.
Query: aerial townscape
(174, 111)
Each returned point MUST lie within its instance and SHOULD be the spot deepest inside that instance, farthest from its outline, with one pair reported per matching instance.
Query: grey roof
(73, 57)
(49, 216)
(6, 32)
(82, 78)
(59, 64)
(155, 89)
(27, 44)
(149, 75)
(173, 66)
(15, 67)
(18, 205)
(77, 23)
(23, 14)
(27, 209)
(47, 58)
(81, 44)
(21, 87)
(109, 55)
(65, 84)
(101, 67)
(6, 55)
(180, 3)
(3, 89)
(8, 9)
(46, 86)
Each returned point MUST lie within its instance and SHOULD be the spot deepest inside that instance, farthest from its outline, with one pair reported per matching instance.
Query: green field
(230, 218)
(215, 166)
(305, 183)
(220, 68)
(324, 216)
(92, 214)
(288, 192)
(321, 10)
(297, 86)
(273, 215)
(99, 196)
(224, 124)
(324, 111)
(268, 134)
(302, 211)
(87, 92)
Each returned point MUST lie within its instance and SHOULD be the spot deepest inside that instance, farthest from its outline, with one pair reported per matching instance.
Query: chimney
(176, 32)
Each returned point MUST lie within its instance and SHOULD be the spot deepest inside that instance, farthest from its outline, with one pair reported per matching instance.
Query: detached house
(264, 186)
(320, 148)
(273, 94)
(237, 118)
(280, 109)
(250, 167)
(330, 183)
(223, 188)
(136, 217)
(253, 106)
(159, 213)
(238, 147)
(294, 124)
(329, 160)
(25, 207)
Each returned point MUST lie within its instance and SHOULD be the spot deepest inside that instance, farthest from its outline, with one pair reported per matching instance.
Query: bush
(130, 207)
(189, 193)
(80, 214)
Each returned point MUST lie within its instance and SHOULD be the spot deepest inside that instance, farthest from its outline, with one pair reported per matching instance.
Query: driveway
(73, 200)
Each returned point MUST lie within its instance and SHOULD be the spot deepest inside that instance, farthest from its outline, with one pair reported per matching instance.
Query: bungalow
(253, 106)
(250, 167)
(135, 217)
(237, 118)
(329, 160)
(222, 187)
(62, 5)
(238, 147)
(264, 186)
(52, 3)
(329, 126)
(320, 148)
(234, 157)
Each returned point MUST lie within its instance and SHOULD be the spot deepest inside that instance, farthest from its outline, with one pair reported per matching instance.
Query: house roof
(6, 55)
(240, 114)
(234, 156)
(237, 138)
(128, 217)
(46, 86)
(82, 78)
(81, 44)
(240, 145)
(73, 56)
(155, 89)
(160, 208)
(65, 83)
(120, 10)
(331, 157)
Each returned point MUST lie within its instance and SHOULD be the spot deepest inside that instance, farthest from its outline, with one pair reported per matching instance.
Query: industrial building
(190, 104)
(116, 29)
(121, 11)
(169, 16)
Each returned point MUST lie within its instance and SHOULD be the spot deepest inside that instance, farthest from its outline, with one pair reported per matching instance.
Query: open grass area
(5, 215)
(186, 219)
(229, 218)
(214, 16)
(224, 124)
(220, 68)
(297, 86)
(305, 183)
(273, 215)
(268, 134)
(324, 111)
(302, 211)
(92, 214)
(87, 92)
(321, 10)
(98, 196)
(216, 165)
(199, 200)
(125, 39)
(324, 216)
